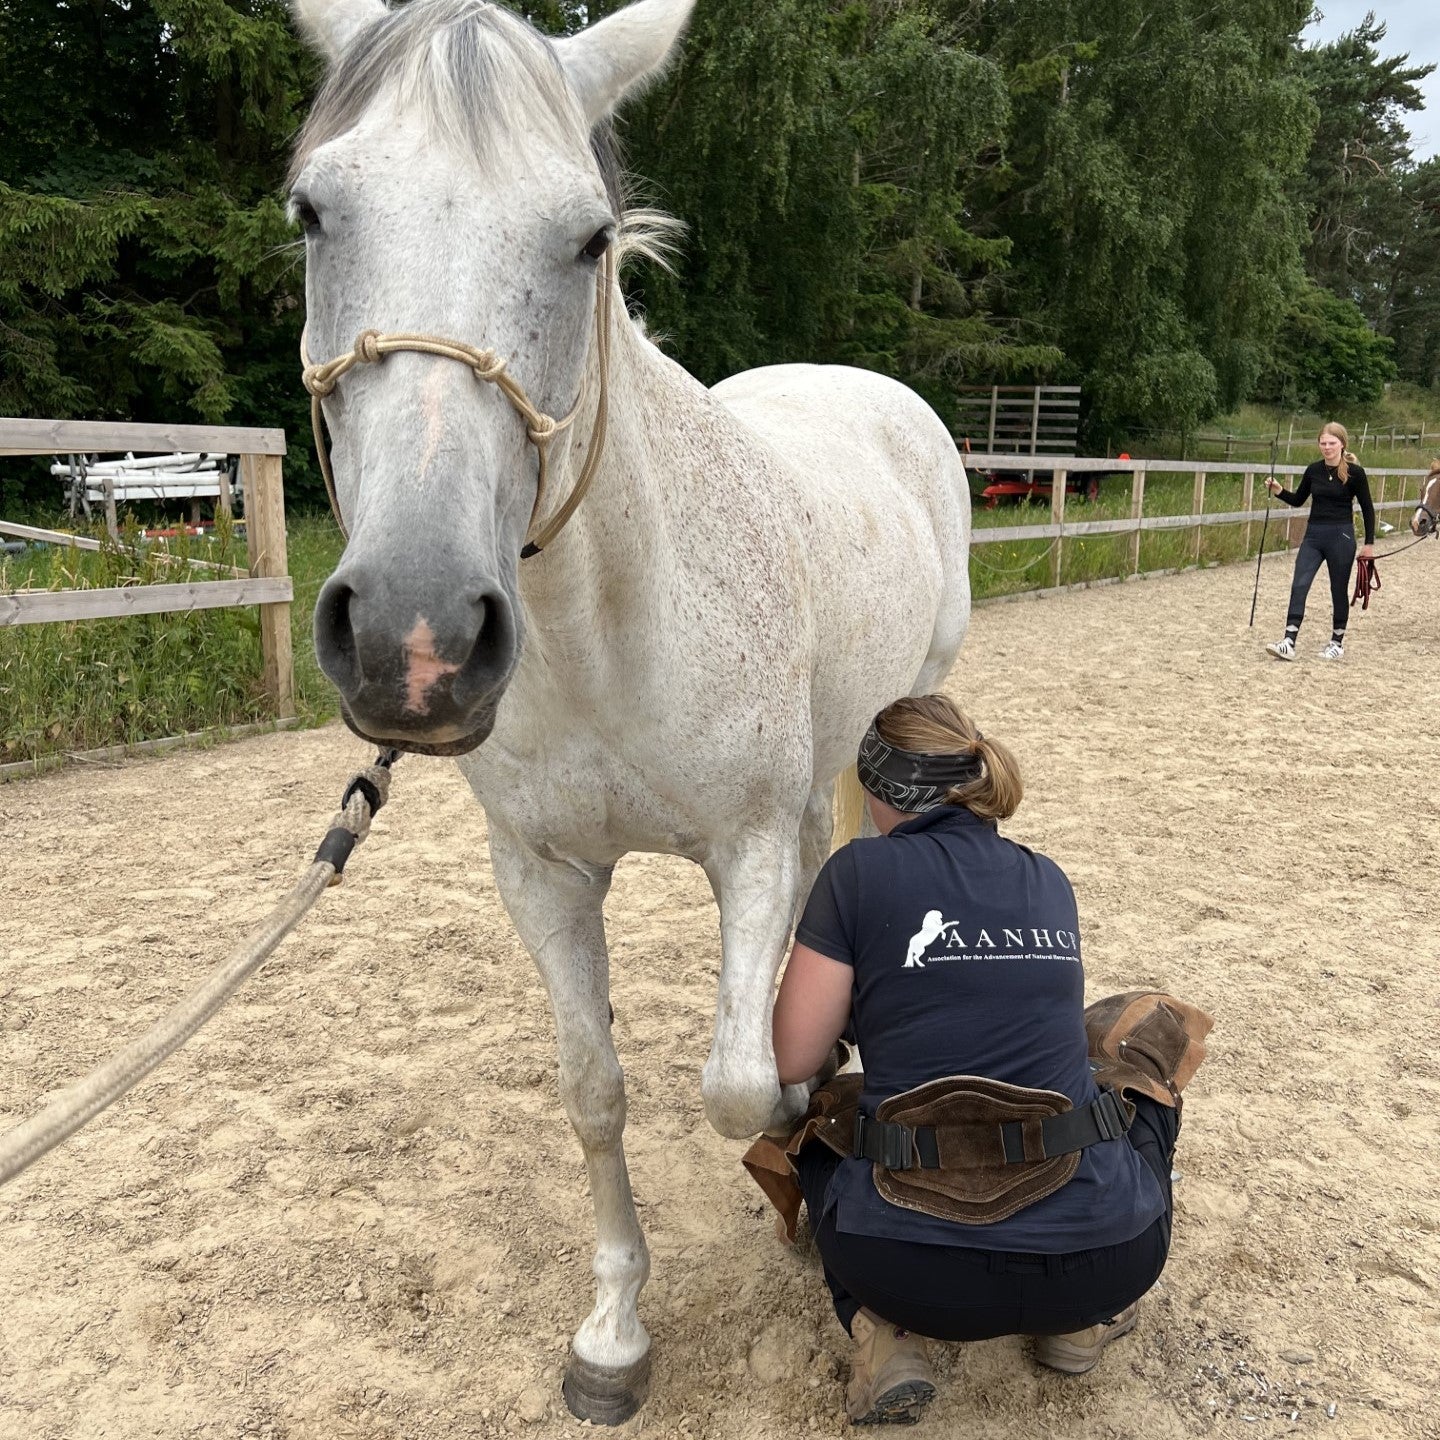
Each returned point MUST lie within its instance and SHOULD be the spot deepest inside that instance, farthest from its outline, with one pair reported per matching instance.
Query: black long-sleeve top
(1332, 503)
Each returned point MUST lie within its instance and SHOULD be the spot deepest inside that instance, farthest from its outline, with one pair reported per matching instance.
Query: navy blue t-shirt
(966, 952)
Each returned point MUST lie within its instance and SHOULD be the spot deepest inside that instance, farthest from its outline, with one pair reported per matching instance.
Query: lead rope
(86, 1098)
(1367, 581)
(371, 346)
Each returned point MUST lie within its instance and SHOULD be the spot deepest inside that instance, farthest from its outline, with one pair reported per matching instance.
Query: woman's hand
(1273, 485)
(1367, 552)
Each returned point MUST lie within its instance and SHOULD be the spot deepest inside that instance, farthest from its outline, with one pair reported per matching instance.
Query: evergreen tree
(1354, 177)
(145, 271)
(819, 155)
(1147, 193)
(1411, 315)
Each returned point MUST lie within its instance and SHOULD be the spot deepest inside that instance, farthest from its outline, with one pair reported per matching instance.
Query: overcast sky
(1413, 28)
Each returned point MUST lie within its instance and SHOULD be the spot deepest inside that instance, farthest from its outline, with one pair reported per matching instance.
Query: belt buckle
(1110, 1115)
(895, 1142)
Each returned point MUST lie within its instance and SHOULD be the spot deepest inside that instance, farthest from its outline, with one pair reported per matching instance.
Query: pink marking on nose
(423, 667)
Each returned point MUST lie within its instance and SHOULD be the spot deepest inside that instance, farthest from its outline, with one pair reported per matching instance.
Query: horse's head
(1426, 519)
(450, 186)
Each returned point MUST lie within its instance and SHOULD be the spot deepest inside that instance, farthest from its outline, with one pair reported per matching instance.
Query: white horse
(755, 570)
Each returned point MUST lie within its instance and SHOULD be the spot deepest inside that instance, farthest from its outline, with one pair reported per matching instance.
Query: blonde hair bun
(935, 725)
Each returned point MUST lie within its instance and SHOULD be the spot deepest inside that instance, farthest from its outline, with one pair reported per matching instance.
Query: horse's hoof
(604, 1396)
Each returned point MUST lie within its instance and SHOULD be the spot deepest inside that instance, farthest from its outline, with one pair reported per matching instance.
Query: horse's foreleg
(755, 883)
(557, 910)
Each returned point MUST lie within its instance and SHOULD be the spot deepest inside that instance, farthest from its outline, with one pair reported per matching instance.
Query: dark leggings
(950, 1292)
(1335, 546)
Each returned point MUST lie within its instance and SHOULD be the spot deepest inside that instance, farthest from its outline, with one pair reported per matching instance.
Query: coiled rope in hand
(1367, 581)
(86, 1098)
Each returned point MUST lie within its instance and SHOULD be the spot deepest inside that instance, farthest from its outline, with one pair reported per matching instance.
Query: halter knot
(487, 365)
(367, 347)
(314, 379)
(542, 429)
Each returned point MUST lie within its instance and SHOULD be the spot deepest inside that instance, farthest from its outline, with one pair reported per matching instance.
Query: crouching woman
(1002, 1166)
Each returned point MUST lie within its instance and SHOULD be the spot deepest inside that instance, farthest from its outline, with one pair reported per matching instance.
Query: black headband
(912, 783)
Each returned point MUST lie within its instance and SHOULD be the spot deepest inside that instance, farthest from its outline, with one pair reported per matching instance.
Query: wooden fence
(1138, 522)
(1018, 419)
(268, 584)
(1413, 434)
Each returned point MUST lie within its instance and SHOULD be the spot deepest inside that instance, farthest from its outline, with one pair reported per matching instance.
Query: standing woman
(1332, 484)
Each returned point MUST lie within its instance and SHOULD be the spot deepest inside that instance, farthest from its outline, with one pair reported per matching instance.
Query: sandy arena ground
(352, 1208)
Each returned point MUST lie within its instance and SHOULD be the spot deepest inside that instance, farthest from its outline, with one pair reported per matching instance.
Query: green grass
(314, 543)
(79, 685)
(1009, 567)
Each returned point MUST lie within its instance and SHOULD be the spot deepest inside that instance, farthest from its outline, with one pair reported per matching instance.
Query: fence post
(1289, 441)
(1197, 508)
(1380, 492)
(1137, 509)
(1247, 499)
(112, 518)
(265, 541)
(1057, 517)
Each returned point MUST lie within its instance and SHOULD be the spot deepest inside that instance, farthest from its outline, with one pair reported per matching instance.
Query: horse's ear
(330, 25)
(613, 57)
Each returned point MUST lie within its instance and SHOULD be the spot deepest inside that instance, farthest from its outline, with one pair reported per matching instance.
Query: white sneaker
(1333, 651)
(1282, 649)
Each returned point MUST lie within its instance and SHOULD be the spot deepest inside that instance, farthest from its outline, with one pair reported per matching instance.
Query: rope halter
(371, 346)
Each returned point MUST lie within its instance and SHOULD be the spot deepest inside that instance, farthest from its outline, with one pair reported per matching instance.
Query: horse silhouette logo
(931, 929)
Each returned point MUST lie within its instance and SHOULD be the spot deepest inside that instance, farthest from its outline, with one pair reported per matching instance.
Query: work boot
(891, 1381)
(1080, 1350)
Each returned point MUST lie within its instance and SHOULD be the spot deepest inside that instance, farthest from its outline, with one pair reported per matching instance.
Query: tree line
(1178, 207)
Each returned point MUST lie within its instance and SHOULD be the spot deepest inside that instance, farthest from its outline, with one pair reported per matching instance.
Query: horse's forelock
(474, 72)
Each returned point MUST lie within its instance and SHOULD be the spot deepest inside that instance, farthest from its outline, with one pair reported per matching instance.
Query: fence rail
(1019, 419)
(268, 585)
(40, 607)
(1137, 523)
(1391, 435)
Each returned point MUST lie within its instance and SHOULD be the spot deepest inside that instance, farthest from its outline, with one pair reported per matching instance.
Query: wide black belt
(903, 1147)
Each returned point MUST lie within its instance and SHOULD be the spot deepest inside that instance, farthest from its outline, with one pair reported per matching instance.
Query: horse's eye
(598, 243)
(306, 213)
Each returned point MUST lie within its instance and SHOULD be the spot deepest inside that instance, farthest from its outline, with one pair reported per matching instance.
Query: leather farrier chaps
(973, 1150)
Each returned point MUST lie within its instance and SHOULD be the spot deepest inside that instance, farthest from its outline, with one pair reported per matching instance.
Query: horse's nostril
(335, 636)
(493, 652)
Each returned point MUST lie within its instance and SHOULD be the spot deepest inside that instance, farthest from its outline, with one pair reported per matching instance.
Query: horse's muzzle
(420, 667)
(461, 746)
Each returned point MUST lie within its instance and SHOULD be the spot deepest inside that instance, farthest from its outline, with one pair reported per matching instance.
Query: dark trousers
(951, 1292)
(1334, 546)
